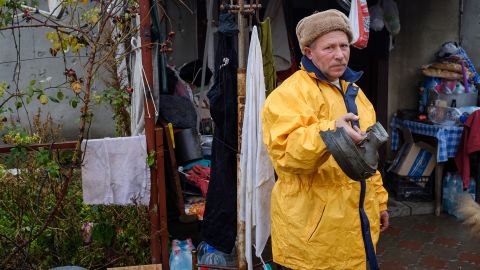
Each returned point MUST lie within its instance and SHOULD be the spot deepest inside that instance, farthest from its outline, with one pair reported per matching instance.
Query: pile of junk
(448, 94)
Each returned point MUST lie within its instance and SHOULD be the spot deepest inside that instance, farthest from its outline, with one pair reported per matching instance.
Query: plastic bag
(360, 23)
(376, 18)
(391, 17)
(345, 4)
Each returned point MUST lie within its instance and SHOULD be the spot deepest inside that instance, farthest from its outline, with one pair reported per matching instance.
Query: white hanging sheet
(256, 170)
(115, 171)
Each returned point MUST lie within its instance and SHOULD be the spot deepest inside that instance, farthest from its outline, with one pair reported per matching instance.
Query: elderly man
(315, 206)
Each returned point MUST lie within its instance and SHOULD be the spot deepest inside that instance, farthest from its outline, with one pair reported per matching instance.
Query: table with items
(447, 141)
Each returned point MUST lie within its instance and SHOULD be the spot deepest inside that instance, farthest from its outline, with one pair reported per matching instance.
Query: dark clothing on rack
(220, 218)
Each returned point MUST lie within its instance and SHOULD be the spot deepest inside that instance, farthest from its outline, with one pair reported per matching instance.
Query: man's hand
(384, 217)
(355, 133)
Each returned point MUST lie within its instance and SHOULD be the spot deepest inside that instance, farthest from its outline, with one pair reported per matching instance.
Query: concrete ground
(406, 208)
(417, 239)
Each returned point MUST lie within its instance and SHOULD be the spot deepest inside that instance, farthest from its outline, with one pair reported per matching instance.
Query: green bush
(119, 235)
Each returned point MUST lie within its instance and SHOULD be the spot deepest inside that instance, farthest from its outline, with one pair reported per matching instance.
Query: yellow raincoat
(314, 205)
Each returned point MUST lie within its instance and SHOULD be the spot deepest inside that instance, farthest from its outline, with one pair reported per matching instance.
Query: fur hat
(320, 23)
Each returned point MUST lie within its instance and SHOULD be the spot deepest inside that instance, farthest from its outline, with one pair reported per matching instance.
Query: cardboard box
(414, 158)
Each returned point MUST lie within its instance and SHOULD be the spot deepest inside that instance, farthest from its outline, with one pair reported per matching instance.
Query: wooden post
(241, 85)
(241, 36)
(194, 260)
(145, 34)
(162, 196)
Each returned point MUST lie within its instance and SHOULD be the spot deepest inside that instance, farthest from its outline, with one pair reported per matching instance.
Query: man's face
(330, 54)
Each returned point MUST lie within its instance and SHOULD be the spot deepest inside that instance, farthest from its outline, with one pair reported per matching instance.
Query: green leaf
(17, 154)
(28, 100)
(49, 35)
(73, 103)
(103, 234)
(8, 18)
(3, 87)
(2, 3)
(54, 99)
(151, 158)
(60, 95)
(30, 91)
(18, 104)
(42, 157)
(33, 82)
(43, 99)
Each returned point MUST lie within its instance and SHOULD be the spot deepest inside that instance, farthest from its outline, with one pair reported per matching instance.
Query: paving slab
(428, 242)
(420, 208)
(398, 209)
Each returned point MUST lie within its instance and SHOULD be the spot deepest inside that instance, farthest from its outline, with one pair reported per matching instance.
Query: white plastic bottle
(181, 255)
(177, 261)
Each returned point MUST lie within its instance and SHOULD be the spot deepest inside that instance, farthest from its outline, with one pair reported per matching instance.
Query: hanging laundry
(281, 48)
(115, 171)
(220, 219)
(267, 56)
(137, 121)
(257, 176)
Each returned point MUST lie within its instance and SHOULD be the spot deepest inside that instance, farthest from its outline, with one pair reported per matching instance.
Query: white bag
(360, 23)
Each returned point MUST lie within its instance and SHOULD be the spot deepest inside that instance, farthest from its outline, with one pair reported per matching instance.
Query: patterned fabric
(471, 66)
(448, 137)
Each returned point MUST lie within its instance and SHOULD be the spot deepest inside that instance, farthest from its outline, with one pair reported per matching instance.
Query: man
(314, 206)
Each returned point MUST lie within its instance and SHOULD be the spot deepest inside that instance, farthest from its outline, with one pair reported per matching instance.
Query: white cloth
(115, 171)
(256, 171)
(137, 120)
(281, 47)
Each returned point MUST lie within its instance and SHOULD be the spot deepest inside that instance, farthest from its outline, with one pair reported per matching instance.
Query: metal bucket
(187, 146)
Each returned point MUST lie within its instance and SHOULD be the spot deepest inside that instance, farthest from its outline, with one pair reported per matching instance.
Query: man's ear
(308, 52)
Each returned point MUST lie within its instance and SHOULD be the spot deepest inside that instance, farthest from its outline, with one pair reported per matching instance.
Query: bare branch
(56, 27)
(186, 6)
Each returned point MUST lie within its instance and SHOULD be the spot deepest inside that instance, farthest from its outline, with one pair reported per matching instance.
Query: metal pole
(241, 85)
(146, 49)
